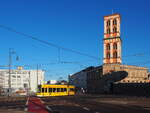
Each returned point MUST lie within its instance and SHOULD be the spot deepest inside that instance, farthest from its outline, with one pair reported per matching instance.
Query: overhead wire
(46, 42)
(57, 46)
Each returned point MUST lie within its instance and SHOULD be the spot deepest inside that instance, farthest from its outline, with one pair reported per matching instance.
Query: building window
(108, 55)
(108, 47)
(114, 30)
(108, 31)
(114, 22)
(13, 76)
(108, 23)
(115, 55)
(115, 46)
(18, 77)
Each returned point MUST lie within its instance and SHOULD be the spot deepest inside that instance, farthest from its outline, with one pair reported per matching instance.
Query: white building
(21, 79)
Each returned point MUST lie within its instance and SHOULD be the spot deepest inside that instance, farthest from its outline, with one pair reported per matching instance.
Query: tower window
(108, 55)
(115, 46)
(115, 55)
(114, 30)
(114, 22)
(108, 23)
(108, 47)
(108, 31)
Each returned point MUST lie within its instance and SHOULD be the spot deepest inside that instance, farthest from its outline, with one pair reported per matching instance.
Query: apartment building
(21, 79)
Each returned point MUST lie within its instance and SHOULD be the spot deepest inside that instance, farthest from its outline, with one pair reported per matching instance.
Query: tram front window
(39, 89)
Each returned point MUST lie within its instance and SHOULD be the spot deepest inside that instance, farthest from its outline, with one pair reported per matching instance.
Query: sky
(72, 24)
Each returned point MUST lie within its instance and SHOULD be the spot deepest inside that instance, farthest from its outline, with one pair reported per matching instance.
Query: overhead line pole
(37, 76)
(9, 65)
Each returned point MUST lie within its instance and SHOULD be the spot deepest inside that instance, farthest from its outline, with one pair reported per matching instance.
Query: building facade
(101, 78)
(21, 79)
(112, 40)
(79, 79)
(136, 74)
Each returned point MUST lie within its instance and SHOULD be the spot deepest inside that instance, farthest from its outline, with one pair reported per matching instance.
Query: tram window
(49, 89)
(46, 90)
(42, 90)
(54, 89)
(65, 89)
(58, 89)
(62, 90)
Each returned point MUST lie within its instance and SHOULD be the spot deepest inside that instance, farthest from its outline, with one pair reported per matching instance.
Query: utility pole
(9, 65)
(9, 69)
(37, 76)
(29, 89)
(68, 84)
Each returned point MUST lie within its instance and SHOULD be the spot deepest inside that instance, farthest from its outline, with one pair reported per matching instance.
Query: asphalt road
(82, 104)
(98, 104)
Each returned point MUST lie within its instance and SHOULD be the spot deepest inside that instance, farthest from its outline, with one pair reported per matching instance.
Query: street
(81, 104)
(98, 104)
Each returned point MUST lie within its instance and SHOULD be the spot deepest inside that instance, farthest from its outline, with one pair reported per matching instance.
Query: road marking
(47, 107)
(26, 105)
(41, 101)
(85, 108)
(26, 109)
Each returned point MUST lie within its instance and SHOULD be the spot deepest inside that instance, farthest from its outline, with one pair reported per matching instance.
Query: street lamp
(11, 51)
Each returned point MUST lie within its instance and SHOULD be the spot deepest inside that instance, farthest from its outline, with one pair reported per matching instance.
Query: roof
(112, 15)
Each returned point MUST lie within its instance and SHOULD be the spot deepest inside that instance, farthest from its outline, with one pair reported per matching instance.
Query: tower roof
(112, 15)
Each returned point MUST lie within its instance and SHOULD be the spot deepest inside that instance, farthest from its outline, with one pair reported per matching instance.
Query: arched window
(114, 22)
(108, 31)
(114, 30)
(108, 55)
(108, 47)
(115, 55)
(108, 23)
(115, 46)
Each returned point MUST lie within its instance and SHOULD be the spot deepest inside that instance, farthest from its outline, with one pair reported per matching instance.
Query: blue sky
(74, 24)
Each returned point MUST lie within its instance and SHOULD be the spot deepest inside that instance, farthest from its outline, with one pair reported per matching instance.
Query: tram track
(13, 104)
(89, 105)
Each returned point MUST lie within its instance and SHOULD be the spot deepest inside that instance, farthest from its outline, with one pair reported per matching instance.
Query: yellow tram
(55, 90)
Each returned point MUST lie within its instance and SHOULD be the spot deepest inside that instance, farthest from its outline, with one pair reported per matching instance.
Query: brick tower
(112, 40)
